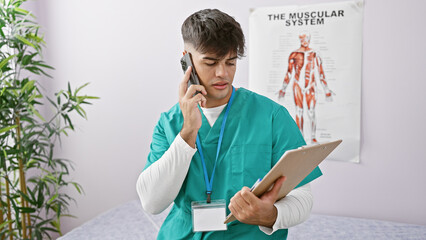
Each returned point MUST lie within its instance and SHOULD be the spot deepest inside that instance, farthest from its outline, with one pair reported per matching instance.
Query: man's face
(215, 74)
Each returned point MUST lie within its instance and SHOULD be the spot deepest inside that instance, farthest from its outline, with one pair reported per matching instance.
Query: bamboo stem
(22, 186)
(28, 218)
(9, 215)
(1, 210)
(21, 179)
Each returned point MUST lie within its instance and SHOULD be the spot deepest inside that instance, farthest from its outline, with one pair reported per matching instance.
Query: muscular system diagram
(305, 69)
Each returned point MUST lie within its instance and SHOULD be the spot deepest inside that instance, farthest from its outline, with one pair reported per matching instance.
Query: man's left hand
(250, 209)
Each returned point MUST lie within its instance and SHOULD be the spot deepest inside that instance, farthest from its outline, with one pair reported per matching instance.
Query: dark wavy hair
(213, 31)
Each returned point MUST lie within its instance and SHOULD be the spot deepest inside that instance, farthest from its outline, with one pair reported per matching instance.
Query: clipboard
(295, 164)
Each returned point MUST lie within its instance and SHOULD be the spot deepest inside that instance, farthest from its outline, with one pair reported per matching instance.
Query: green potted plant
(32, 180)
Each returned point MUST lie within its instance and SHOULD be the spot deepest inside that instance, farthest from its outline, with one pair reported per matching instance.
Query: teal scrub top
(257, 133)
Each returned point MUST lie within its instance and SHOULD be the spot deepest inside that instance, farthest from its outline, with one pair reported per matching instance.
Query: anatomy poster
(308, 59)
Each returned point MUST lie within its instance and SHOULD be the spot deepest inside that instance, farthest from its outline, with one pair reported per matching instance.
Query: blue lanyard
(209, 184)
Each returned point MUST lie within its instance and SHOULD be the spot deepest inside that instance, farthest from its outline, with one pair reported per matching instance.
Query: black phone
(186, 61)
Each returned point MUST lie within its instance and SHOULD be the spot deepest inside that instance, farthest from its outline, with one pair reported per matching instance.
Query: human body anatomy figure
(305, 68)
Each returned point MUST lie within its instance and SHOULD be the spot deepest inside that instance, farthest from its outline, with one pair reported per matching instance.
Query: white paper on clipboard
(295, 164)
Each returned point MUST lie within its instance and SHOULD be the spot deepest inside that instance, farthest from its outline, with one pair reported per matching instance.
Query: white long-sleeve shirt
(156, 193)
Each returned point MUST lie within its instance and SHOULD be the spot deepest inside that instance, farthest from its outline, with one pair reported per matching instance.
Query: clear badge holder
(208, 216)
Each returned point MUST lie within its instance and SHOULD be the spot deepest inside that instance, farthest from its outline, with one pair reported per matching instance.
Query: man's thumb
(273, 193)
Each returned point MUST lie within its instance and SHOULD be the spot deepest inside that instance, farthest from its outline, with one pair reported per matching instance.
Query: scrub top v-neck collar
(213, 113)
(209, 134)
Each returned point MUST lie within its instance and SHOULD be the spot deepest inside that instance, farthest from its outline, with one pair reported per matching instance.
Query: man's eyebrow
(210, 58)
(217, 59)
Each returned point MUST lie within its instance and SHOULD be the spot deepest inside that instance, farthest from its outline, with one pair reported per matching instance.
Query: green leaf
(25, 41)
(20, 10)
(3, 224)
(28, 85)
(81, 111)
(27, 210)
(34, 37)
(36, 113)
(77, 186)
(68, 215)
(2, 43)
(91, 97)
(34, 96)
(67, 118)
(48, 229)
(53, 198)
(25, 197)
(2, 91)
(63, 131)
(57, 225)
(7, 128)
(59, 93)
(52, 102)
(43, 222)
(40, 198)
(4, 62)
(27, 58)
(78, 89)
(31, 161)
(44, 73)
(51, 178)
(43, 65)
(34, 200)
(35, 70)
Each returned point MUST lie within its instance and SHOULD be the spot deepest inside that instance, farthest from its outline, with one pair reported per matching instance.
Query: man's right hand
(188, 104)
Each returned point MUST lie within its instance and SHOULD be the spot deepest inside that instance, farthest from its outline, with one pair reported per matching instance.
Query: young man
(224, 136)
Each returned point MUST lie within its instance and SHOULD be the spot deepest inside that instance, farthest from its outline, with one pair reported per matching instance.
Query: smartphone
(186, 61)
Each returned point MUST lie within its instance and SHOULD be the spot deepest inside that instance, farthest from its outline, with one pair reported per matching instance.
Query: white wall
(129, 51)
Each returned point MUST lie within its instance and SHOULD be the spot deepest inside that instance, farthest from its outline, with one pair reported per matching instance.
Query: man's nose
(221, 71)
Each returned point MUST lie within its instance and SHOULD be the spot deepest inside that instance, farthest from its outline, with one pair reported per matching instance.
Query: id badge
(208, 216)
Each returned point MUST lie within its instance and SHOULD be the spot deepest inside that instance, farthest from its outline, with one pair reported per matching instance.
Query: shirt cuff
(270, 231)
(181, 144)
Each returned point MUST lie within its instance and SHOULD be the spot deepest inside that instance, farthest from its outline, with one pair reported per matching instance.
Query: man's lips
(220, 85)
